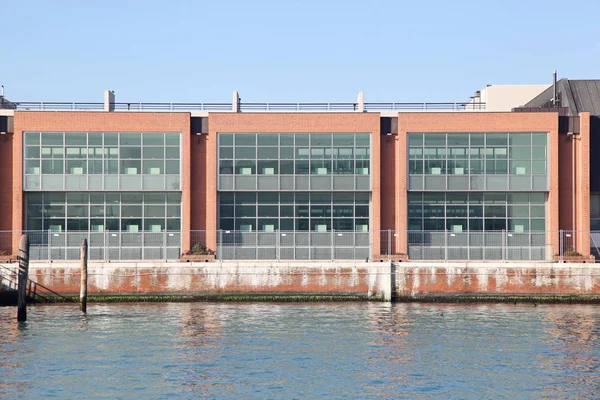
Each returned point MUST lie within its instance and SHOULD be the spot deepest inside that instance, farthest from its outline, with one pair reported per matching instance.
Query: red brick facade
(481, 122)
(388, 159)
(52, 121)
(293, 122)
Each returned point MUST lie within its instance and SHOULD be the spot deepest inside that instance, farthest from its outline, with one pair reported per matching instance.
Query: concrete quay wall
(417, 279)
(372, 280)
(376, 280)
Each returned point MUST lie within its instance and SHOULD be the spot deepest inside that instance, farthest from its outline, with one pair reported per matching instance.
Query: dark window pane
(225, 139)
(154, 139)
(245, 139)
(268, 139)
(130, 139)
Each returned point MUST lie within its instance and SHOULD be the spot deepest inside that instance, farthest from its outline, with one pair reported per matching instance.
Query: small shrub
(571, 252)
(199, 249)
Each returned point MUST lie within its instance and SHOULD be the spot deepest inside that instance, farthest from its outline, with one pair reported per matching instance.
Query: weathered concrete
(371, 280)
(414, 279)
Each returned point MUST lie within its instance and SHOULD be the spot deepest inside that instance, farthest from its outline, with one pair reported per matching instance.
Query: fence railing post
(277, 245)
(560, 244)
(389, 244)
(445, 244)
(49, 245)
(165, 243)
(503, 248)
(219, 250)
(331, 255)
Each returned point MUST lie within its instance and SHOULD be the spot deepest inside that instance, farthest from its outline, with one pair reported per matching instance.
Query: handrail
(425, 106)
(298, 106)
(35, 285)
(259, 106)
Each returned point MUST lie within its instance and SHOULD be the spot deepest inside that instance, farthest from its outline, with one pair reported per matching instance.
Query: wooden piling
(84, 277)
(23, 276)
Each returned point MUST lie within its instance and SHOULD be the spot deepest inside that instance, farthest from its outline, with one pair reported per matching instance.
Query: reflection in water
(316, 350)
(574, 333)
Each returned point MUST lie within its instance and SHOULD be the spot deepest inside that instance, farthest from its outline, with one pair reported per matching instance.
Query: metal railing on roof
(52, 105)
(424, 106)
(173, 106)
(298, 106)
(124, 106)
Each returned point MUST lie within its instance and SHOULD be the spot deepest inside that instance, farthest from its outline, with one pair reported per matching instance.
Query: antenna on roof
(554, 90)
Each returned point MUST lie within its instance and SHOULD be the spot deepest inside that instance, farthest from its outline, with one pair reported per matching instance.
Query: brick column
(402, 191)
(582, 184)
(376, 171)
(17, 186)
(186, 186)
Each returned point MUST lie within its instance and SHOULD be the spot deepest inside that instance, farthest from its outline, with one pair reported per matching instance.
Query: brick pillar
(186, 186)
(582, 184)
(552, 209)
(210, 172)
(375, 224)
(402, 191)
(17, 187)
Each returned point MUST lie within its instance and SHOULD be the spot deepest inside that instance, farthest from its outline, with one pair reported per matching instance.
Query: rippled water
(338, 350)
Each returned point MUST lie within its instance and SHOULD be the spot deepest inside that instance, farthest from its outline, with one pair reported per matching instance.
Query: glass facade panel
(100, 153)
(79, 211)
(513, 211)
(514, 153)
(316, 154)
(316, 211)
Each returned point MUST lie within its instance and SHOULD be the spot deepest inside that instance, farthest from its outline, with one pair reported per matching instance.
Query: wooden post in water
(23, 276)
(84, 277)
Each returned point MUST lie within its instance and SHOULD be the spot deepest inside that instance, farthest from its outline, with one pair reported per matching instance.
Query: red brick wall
(6, 191)
(482, 122)
(582, 187)
(565, 181)
(77, 121)
(292, 122)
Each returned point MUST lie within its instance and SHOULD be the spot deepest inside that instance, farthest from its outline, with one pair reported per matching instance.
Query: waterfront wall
(352, 278)
(418, 279)
(378, 280)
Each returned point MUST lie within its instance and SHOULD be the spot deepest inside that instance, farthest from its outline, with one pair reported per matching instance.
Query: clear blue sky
(290, 50)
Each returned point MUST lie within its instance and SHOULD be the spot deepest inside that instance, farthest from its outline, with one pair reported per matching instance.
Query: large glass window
(109, 153)
(99, 212)
(490, 211)
(294, 153)
(303, 211)
(514, 153)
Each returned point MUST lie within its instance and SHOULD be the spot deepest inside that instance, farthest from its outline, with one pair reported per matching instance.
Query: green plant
(199, 249)
(571, 252)
(4, 253)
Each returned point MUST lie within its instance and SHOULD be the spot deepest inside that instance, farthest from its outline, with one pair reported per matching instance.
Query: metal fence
(294, 245)
(325, 106)
(496, 245)
(305, 245)
(107, 246)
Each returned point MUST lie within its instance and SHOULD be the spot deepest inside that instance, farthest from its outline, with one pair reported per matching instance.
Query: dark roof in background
(577, 95)
(4, 103)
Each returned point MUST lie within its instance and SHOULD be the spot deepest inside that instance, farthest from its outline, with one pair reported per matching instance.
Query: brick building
(298, 181)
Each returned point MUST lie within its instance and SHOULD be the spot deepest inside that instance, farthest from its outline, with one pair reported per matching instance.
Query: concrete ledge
(417, 279)
(372, 280)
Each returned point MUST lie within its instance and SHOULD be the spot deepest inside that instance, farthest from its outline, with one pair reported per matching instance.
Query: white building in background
(505, 97)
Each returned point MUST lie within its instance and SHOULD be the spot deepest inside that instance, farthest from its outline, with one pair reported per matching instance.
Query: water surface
(333, 350)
